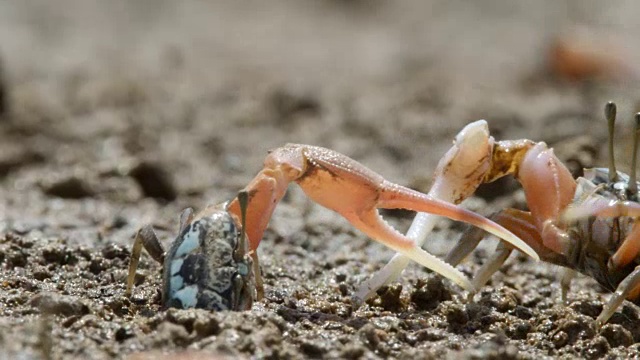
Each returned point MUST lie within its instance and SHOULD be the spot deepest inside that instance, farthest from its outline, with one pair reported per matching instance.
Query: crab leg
(549, 188)
(354, 191)
(520, 223)
(565, 282)
(185, 218)
(243, 201)
(145, 237)
(630, 283)
(497, 259)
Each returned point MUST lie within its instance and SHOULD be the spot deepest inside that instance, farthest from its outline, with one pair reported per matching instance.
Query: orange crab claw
(356, 192)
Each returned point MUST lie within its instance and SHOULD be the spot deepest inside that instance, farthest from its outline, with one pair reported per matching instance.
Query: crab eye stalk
(610, 115)
(633, 185)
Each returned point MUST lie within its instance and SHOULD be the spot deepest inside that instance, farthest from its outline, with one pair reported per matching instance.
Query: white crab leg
(457, 176)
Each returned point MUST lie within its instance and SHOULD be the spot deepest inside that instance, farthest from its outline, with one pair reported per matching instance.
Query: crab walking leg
(243, 203)
(565, 282)
(457, 176)
(185, 218)
(464, 246)
(520, 223)
(145, 237)
(631, 282)
(482, 276)
(629, 249)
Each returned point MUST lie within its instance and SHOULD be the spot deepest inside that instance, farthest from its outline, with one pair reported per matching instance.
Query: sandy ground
(114, 115)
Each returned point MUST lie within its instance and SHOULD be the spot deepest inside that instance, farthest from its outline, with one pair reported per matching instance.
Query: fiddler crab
(207, 266)
(213, 262)
(585, 225)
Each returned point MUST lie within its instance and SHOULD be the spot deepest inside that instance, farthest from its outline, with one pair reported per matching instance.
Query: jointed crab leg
(520, 223)
(356, 192)
(624, 290)
(185, 218)
(145, 237)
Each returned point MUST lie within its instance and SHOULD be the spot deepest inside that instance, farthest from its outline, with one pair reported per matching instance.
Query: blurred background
(118, 113)
(197, 92)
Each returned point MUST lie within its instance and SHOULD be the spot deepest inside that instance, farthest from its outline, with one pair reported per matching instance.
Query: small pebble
(616, 335)
(123, 333)
(57, 304)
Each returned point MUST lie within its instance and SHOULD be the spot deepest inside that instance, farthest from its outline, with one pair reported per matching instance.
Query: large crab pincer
(341, 184)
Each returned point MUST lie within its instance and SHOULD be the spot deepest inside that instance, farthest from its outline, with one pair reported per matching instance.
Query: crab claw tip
(511, 238)
(423, 258)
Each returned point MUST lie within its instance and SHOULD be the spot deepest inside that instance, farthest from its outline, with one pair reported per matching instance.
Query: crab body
(207, 265)
(200, 269)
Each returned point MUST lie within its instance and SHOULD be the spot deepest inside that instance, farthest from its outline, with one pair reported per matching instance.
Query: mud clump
(616, 335)
(59, 254)
(573, 329)
(428, 295)
(13, 256)
(69, 187)
(390, 298)
(456, 315)
(589, 308)
(170, 333)
(13, 158)
(154, 180)
(57, 304)
(123, 333)
(502, 299)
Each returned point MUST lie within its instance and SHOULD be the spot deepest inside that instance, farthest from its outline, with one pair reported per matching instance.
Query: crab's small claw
(264, 192)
